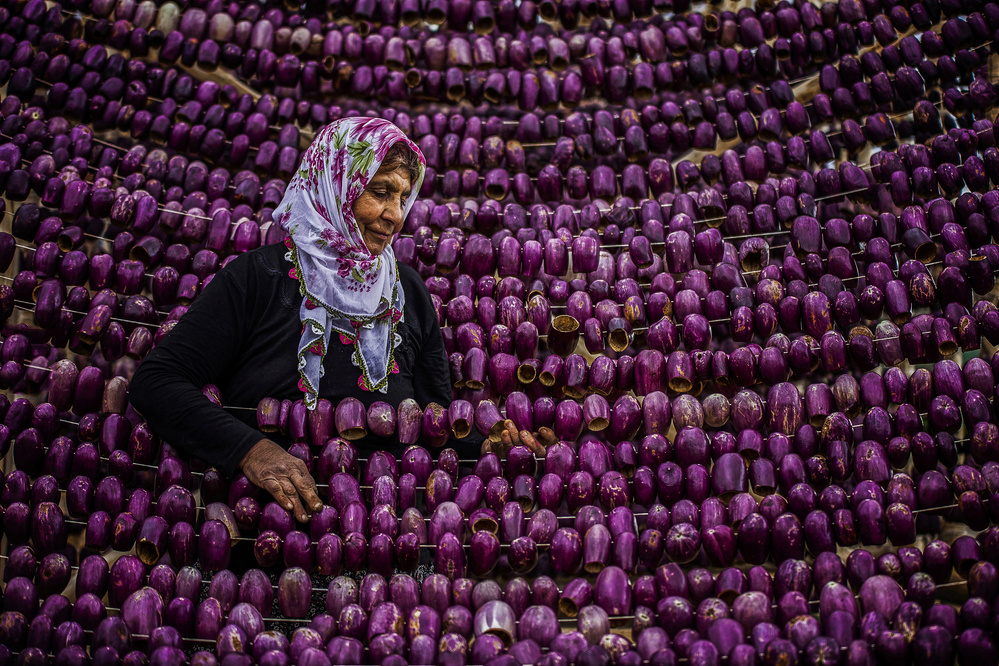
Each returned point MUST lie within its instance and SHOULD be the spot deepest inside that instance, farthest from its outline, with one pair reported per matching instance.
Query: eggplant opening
(681, 384)
(565, 324)
(715, 219)
(414, 77)
(728, 596)
(147, 552)
(437, 14)
(598, 423)
(455, 92)
(947, 347)
(485, 524)
(926, 252)
(725, 496)
(753, 261)
(548, 10)
(568, 607)
(356, 432)
(526, 373)
(461, 428)
(618, 339)
(762, 489)
(816, 420)
(485, 25)
(494, 432)
(494, 191)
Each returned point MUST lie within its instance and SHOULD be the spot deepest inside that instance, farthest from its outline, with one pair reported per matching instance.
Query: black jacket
(242, 334)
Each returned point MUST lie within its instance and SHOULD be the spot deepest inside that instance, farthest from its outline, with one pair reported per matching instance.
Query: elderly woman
(328, 314)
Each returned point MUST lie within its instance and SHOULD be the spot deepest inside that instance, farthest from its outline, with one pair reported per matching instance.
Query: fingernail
(524, 433)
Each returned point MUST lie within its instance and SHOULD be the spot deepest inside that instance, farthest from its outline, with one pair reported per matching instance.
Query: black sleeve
(433, 375)
(201, 349)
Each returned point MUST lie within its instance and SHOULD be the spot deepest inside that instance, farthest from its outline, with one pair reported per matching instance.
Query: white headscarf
(345, 287)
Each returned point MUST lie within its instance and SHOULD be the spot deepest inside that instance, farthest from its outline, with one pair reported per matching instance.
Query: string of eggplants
(651, 46)
(74, 501)
(950, 26)
(696, 332)
(152, 535)
(847, 393)
(965, 472)
(681, 30)
(712, 606)
(525, 51)
(252, 234)
(56, 457)
(679, 34)
(771, 644)
(635, 149)
(446, 69)
(157, 248)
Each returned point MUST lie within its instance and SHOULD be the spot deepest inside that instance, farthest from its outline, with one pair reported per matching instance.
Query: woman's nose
(393, 211)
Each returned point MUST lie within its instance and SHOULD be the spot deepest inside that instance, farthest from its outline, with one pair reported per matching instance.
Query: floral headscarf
(345, 288)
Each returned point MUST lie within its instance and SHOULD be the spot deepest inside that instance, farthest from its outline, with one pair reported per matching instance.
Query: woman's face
(379, 209)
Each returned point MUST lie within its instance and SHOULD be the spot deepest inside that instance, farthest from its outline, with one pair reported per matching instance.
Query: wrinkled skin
(268, 466)
(511, 437)
(379, 210)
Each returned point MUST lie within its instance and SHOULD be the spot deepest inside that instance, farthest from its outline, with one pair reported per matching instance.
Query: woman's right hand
(510, 437)
(284, 476)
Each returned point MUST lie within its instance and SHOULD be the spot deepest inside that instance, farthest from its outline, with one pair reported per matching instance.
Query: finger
(297, 510)
(307, 491)
(487, 447)
(548, 437)
(289, 489)
(511, 430)
(277, 492)
(506, 440)
(531, 443)
(301, 515)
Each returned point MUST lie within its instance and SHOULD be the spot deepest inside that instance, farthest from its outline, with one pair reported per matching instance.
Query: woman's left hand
(511, 437)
